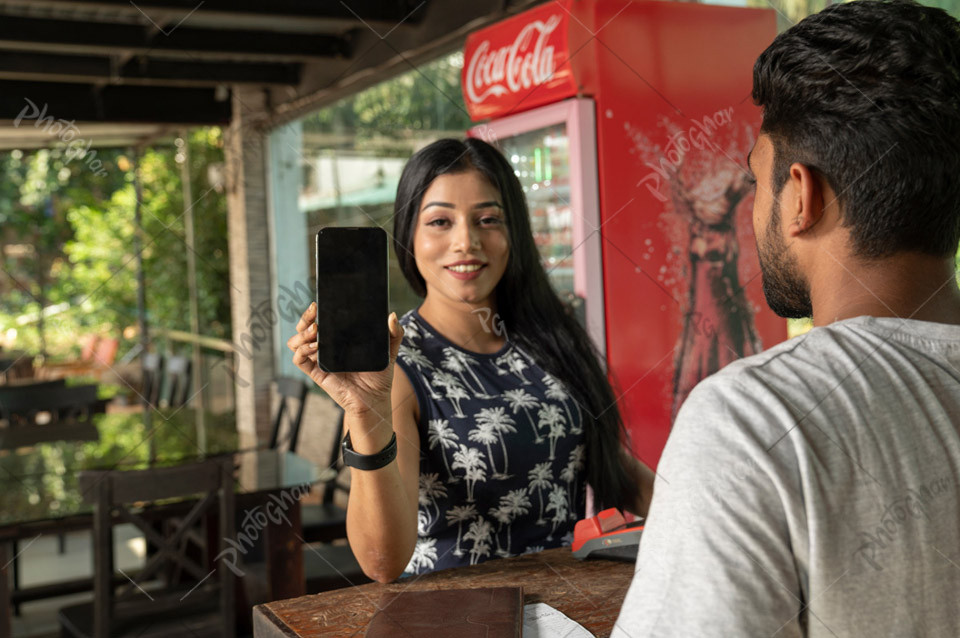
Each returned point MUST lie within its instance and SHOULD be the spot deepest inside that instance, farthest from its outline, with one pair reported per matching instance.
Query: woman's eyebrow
(442, 204)
(490, 204)
(478, 206)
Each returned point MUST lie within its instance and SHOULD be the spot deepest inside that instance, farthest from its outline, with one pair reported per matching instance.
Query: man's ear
(804, 208)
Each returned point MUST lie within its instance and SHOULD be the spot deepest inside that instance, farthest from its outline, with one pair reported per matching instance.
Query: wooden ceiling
(154, 65)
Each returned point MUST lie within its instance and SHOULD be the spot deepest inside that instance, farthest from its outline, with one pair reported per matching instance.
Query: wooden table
(40, 493)
(589, 592)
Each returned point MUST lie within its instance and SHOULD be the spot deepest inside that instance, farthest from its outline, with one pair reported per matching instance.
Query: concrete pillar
(252, 314)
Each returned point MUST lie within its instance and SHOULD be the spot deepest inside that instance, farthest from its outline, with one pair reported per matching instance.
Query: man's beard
(784, 286)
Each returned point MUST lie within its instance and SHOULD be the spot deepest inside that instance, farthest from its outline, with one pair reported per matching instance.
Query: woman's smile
(466, 270)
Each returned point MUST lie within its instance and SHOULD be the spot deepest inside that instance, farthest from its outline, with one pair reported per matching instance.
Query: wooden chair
(88, 345)
(97, 358)
(47, 412)
(176, 386)
(35, 383)
(203, 607)
(106, 351)
(15, 366)
(295, 390)
(67, 413)
(326, 566)
(327, 521)
(166, 380)
(152, 366)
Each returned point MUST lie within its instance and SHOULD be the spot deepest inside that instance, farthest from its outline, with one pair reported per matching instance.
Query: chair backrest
(151, 365)
(111, 492)
(106, 351)
(88, 346)
(16, 365)
(36, 383)
(330, 489)
(68, 414)
(176, 391)
(53, 397)
(290, 390)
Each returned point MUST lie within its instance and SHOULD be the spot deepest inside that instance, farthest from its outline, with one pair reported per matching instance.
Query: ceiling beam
(100, 135)
(85, 102)
(49, 67)
(69, 36)
(384, 11)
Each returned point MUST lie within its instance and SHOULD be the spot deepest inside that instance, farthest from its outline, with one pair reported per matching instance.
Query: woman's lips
(464, 276)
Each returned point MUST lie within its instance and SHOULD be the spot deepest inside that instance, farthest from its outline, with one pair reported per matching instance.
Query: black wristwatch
(368, 461)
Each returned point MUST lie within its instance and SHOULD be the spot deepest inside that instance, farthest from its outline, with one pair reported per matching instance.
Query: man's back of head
(811, 490)
(858, 198)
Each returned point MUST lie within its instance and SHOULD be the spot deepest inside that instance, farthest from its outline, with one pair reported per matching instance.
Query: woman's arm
(382, 509)
(643, 476)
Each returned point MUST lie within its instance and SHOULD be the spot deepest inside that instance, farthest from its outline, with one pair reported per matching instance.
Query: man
(812, 490)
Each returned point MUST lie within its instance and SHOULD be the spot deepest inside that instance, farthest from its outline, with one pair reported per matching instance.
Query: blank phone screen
(352, 300)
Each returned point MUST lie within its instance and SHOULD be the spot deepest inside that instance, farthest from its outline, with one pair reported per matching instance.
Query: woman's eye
(488, 221)
(440, 221)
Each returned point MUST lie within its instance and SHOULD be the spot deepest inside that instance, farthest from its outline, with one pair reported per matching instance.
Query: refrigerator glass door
(553, 150)
(541, 160)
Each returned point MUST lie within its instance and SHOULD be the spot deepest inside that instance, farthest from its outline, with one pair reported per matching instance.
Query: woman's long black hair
(532, 314)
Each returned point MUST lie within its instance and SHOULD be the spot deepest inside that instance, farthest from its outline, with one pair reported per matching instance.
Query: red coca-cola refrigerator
(628, 124)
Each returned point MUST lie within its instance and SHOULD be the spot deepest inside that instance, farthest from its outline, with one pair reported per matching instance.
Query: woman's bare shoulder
(404, 398)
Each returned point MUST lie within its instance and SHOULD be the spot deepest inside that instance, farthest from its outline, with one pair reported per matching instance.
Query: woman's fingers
(306, 328)
(305, 358)
(302, 354)
(294, 342)
(304, 347)
(396, 335)
(307, 317)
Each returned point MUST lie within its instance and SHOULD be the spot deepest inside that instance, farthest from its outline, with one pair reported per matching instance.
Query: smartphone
(352, 299)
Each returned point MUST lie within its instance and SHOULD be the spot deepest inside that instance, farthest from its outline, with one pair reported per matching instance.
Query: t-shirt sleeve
(715, 556)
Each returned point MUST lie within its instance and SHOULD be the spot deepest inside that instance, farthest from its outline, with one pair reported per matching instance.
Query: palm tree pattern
(502, 450)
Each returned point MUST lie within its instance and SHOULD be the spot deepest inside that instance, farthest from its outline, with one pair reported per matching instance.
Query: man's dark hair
(867, 94)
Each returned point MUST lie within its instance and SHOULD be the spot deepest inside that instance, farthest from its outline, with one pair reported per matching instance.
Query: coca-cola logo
(525, 63)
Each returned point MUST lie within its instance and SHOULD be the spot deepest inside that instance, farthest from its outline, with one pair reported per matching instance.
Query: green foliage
(37, 192)
(425, 99)
(70, 233)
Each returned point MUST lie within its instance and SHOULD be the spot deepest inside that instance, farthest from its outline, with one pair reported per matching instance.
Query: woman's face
(460, 242)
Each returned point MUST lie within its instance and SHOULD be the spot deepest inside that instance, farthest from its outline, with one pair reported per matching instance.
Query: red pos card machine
(607, 535)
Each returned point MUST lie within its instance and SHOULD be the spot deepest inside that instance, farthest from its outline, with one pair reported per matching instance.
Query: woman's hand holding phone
(358, 393)
(382, 511)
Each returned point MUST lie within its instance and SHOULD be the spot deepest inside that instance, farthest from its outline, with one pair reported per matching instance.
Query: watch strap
(368, 461)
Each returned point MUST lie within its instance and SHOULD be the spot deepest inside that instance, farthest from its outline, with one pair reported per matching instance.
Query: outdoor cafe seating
(43, 411)
(204, 604)
(15, 366)
(327, 564)
(97, 355)
(45, 419)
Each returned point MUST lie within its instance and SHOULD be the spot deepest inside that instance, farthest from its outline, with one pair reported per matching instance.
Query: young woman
(494, 394)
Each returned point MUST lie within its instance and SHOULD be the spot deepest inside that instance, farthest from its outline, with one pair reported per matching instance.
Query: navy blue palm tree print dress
(501, 452)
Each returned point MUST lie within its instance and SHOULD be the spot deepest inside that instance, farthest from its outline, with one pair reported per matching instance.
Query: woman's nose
(465, 237)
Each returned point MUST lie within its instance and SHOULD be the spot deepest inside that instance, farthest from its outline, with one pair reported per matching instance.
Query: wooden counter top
(589, 592)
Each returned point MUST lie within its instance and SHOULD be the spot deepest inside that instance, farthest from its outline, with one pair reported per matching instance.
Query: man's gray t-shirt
(811, 490)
